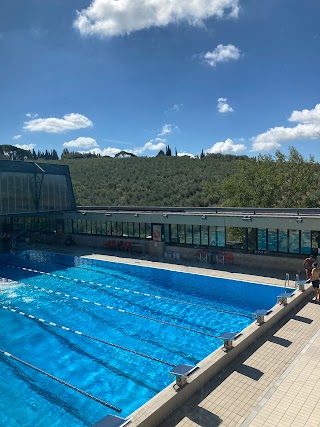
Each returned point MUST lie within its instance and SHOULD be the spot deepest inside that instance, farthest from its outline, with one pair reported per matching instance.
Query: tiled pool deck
(275, 382)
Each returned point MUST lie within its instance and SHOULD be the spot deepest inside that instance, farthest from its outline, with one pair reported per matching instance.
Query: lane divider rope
(220, 310)
(65, 328)
(120, 310)
(103, 402)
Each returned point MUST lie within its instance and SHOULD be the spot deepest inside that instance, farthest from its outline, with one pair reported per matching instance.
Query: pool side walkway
(274, 383)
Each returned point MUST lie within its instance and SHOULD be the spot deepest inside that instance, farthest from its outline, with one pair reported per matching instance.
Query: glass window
(130, 229)
(272, 240)
(181, 234)
(148, 231)
(114, 228)
(166, 231)
(142, 230)
(68, 225)
(43, 224)
(212, 235)
(234, 237)
(82, 225)
(34, 223)
(306, 242)
(109, 228)
(189, 235)
(283, 240)
(136, 229)
(262, 239)
(221, 237)
(54, 194)
(196, 235)
(294, 241)
(251, 239)
(315, 242)
(99, 227)
(91, 227)
(74, 226)
(103, 228)
(204, 235)
(119, 228)
(125, 229)
(174, 233)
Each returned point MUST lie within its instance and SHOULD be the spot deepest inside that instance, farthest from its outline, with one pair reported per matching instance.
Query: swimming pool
(111, 330)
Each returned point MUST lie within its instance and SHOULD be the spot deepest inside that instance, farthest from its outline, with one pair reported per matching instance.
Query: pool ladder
(14, 240)
(287, 280)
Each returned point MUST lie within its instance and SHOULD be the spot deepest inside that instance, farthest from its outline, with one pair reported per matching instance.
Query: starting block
(181, 373)
(228, 338)
(259, 315)
(283, 298)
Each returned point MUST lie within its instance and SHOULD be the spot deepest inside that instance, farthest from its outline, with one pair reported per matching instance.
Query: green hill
(153, 181)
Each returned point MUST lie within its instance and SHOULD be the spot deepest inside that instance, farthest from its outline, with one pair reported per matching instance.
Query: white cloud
(32, 115)
(223, 106)
(228, 146)
(186, 154)
(153, 145)
(309, 128)
(109, 18)
(167, 129)
(25, 146)
(53, 125)
(272, 138)
(221, 54)
(306, 116)
(17, 137)
(177, 107)
(156, 144)
(81, 142)
(159, 142)
(109, 151)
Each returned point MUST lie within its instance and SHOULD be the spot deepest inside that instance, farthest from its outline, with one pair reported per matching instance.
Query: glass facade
(236, 238)
(29, 187)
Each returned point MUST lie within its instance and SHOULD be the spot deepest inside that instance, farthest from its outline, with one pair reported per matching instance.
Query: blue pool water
(148, 320)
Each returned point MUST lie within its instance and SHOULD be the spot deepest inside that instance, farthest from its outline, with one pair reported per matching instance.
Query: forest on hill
(152, 181)
(212, 180)
(208, 180)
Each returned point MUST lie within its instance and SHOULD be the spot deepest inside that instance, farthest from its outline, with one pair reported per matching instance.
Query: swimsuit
(315, 283)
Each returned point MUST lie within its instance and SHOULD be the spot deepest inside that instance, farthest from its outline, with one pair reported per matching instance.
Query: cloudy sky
(225, 76)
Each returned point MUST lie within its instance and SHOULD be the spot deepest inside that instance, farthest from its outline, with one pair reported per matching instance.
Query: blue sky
(227, 76)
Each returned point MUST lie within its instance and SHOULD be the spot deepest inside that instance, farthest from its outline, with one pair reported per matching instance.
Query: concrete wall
(289, 265)
(256, 261)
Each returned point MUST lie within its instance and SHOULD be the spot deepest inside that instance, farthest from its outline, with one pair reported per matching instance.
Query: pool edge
(157, 409)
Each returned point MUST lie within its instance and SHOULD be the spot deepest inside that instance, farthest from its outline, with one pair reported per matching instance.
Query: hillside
(155, 181)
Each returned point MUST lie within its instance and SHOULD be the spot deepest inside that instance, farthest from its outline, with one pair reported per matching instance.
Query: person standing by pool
(307, 264)
(315, 276)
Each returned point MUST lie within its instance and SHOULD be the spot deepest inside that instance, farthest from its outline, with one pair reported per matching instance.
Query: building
(37, 199)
